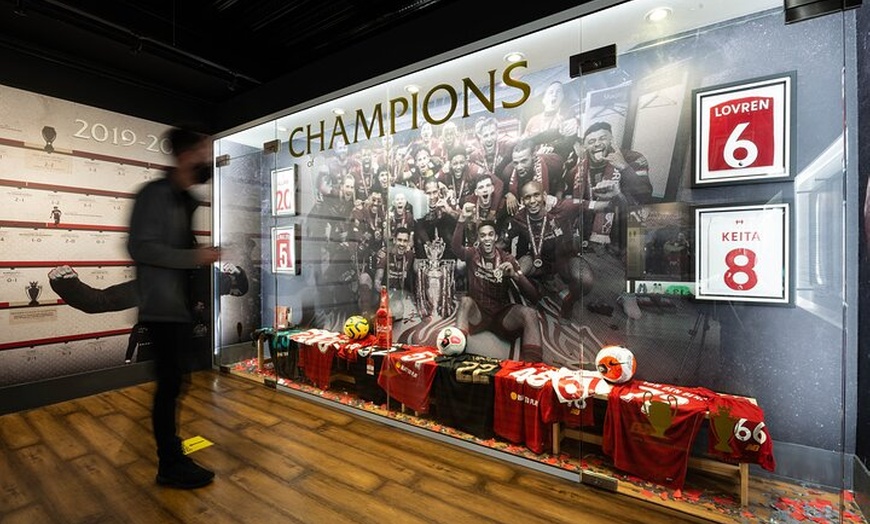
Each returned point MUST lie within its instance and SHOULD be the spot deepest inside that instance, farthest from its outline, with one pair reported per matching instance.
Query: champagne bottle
(384, 321)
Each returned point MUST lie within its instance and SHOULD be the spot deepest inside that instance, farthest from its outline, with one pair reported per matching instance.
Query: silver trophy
(435, 249)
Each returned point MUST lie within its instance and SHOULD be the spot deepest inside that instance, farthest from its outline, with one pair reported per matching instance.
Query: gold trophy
(723, 422)
(660, 413)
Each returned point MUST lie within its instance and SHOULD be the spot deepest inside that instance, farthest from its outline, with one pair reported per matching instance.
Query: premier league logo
(33, 290)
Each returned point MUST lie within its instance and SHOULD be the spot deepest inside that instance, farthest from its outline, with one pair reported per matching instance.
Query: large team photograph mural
(574, 181)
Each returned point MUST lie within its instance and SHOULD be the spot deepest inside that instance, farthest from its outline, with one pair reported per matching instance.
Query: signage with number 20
(284, 192)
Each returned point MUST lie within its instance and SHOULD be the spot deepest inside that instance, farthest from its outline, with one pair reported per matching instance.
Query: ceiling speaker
(800, 10)
(591, 61)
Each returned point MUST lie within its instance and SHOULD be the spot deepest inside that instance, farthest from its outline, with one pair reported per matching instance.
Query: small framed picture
(744, 253)
(743, 131)
(284, 250)
(284, 191)
(283, 316)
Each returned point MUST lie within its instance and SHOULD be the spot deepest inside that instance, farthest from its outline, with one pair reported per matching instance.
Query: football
(616, 364)
(450, 341)
(356, 327)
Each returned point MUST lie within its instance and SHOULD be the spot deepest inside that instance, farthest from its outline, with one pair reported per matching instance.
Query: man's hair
(484, 122)
(401, 229)
(183, 140)
(598, 126)
(418, 148)
(524, 144)
(480, 178)
(484, 223)
(454, 151)
(537, 184)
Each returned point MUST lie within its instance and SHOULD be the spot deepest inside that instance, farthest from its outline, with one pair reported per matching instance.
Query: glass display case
(611, 247)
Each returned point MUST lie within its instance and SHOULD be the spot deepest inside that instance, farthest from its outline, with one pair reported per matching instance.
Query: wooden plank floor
(277, 458)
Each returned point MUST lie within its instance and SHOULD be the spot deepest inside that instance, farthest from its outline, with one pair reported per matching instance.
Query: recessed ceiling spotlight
(514, 57)
(411, 88)
(338, 111)
(658, 14)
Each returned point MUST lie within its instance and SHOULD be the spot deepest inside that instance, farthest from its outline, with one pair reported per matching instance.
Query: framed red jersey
(284, 249)
(284, 191)
(743, 131)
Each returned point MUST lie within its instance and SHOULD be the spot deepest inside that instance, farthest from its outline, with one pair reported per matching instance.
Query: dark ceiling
(208, 49)
(226, 62)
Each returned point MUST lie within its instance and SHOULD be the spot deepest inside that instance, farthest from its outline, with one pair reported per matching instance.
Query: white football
(450, 341)
(616, 364)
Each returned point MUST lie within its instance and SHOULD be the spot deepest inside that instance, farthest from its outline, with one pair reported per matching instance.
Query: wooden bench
(739, 472)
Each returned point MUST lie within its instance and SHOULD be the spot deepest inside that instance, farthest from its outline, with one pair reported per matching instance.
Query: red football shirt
(508, 419)
(649, 429)
(573, 388)
(316, 362)
(317, 348)
(525, 404)
(541, 409)
(738, 432)
(348, 347)
(407, 376)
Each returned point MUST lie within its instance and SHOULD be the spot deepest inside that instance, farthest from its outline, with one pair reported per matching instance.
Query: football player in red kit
(488, 305)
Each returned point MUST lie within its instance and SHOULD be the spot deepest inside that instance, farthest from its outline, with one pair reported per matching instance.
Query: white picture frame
(284, 247)
(743, 131)
(743, 253)
(283, 191)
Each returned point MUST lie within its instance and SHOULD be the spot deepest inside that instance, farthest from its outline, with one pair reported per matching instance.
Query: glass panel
(242, 226)
(603, 207)
(675, 238)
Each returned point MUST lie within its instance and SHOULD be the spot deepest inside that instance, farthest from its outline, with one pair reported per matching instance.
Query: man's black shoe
(183, 474)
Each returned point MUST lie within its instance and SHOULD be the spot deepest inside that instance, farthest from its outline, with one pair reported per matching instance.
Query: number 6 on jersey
(743, 132)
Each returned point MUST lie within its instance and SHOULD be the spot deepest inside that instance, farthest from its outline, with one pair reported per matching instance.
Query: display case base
(705, 495)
